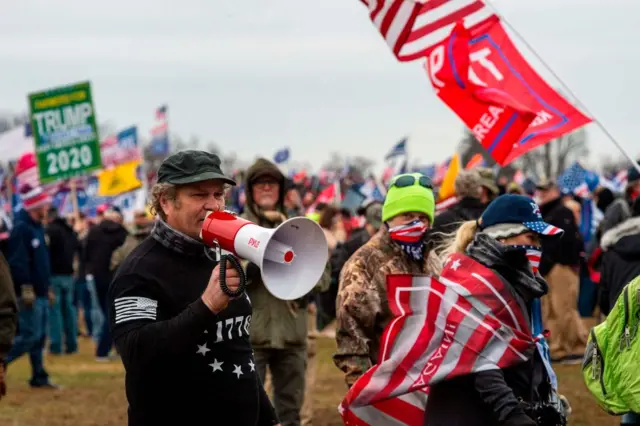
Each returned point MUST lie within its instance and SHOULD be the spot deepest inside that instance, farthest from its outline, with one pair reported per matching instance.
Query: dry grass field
(93, 393)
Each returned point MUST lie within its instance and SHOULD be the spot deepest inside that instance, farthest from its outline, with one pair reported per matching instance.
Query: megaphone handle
(223, 275)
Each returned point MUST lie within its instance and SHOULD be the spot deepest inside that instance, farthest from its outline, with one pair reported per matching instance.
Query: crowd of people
(147, 296)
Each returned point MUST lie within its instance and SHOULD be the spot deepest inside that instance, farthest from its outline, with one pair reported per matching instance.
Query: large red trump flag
(509, 108)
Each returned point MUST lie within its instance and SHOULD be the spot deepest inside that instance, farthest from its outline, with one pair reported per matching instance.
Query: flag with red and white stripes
(411, 27)
(409, 233)
(534, 255)
(464, 321)
(446, 204)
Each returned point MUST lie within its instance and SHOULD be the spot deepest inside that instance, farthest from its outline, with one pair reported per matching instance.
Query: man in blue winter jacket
(28, 258)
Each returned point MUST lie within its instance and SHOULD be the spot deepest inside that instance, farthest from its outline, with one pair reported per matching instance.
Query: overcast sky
(257, 75)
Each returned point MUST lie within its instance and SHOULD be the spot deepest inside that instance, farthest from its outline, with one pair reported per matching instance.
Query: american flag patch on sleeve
(135, 308)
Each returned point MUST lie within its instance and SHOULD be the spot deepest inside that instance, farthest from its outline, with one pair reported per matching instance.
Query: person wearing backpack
(612, 356)
(620, 265)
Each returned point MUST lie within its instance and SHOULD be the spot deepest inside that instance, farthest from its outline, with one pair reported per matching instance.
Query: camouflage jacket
(362, 309)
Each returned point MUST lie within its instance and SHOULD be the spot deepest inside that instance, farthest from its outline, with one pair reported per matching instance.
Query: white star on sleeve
(455, 265)
(252, 366)
(216, 365)
(237, 370)
(203, 349)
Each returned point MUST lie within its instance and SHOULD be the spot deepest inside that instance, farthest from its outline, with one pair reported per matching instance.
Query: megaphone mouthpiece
(278, 252)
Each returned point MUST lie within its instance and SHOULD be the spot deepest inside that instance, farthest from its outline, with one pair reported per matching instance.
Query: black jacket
(184, 365)
(491, 398)
(338, 258)
(620, 261)
(566, 250)
(102, 240)
(343, 252)
(63, 246)
(448, 221)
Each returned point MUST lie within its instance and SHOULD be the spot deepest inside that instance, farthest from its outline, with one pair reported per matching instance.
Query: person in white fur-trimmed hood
(620, 259)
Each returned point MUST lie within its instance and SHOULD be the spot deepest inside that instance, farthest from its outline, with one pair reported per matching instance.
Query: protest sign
(65, 133)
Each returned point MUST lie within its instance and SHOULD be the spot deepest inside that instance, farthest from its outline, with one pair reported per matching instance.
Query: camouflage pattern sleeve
(357, 306)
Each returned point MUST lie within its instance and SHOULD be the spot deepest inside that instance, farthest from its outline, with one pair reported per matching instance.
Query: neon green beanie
(414, 198)
(315, 216)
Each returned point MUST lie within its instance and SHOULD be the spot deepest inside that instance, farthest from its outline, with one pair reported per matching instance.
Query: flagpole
(564, 85)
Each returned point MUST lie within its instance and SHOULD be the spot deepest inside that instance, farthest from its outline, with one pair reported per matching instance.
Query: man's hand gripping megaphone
(227, 280)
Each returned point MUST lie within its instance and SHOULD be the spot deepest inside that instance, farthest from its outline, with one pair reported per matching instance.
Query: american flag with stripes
(134, 308)
(446, 204)
(534, 255)
(441, 171)
(411, 27)
(573, 181)
(411, 232)
(161, 113)
(543, 228)
(462, 322)
(618, 183)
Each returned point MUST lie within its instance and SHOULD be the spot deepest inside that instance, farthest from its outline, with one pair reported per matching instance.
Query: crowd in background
(61, 268)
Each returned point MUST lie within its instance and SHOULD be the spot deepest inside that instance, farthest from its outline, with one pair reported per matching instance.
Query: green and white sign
(65, 132)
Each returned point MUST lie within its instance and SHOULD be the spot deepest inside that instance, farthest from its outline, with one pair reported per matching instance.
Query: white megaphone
(291, 257)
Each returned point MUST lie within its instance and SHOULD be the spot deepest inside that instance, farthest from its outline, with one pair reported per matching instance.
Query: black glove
(545, 414)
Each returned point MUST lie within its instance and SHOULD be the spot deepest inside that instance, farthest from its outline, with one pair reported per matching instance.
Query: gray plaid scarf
(177, 241)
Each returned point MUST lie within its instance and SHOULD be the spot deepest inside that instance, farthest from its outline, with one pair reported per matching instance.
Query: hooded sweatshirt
(276, 324)
(260, 168)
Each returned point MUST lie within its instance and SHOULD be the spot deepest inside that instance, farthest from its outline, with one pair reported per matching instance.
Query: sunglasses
(410, 180)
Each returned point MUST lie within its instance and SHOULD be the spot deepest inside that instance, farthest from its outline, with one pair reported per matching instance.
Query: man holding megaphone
(181, 328)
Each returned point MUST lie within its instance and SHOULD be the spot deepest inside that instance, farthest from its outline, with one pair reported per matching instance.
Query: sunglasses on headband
(410, 180)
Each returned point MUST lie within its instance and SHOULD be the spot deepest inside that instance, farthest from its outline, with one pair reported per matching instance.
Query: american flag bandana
(533, 253)
(411, 232)
(410, 238)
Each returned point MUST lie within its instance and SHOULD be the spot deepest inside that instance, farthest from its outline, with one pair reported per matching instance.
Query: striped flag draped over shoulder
(464, 321)
(411, 27)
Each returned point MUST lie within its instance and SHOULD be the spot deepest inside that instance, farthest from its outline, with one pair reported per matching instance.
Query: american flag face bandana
(533, 253)
(410, 237)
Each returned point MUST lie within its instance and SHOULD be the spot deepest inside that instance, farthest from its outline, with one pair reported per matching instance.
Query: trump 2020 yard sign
(65, 133)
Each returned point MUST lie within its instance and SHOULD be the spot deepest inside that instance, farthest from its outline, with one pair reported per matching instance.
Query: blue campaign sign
(160, 145)
(128, 138)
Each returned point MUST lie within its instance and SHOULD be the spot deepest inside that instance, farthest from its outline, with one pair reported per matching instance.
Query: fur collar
(626, 228)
